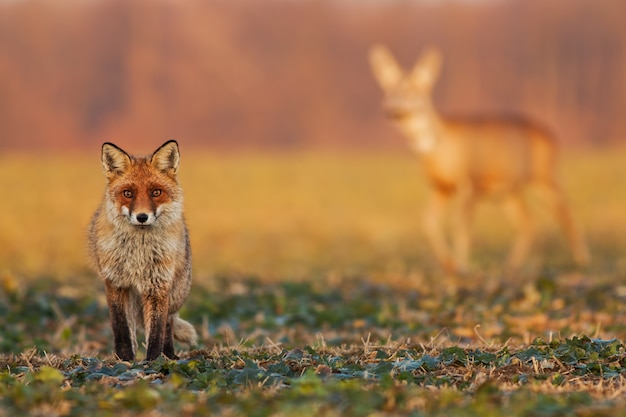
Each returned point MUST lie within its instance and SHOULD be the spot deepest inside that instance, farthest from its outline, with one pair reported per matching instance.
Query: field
(315, 295)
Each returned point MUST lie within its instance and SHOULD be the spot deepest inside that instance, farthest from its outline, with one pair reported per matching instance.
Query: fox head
(407, 93)
(142, 191)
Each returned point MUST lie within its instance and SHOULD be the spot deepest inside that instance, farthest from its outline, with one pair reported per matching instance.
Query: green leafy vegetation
(314, 297)
(312, 349)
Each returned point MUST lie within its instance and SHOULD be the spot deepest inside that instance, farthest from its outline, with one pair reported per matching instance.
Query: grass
(314, 294)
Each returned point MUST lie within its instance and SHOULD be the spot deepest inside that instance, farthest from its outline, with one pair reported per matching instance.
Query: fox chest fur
(141, 259)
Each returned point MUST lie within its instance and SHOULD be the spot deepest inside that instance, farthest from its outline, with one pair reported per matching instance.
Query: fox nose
(142, 217)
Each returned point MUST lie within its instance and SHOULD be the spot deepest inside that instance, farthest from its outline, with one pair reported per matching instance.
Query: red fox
(471, 158)
(139, 245)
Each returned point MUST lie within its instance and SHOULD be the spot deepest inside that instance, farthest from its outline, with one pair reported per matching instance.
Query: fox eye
(127, 193)
(156, 193)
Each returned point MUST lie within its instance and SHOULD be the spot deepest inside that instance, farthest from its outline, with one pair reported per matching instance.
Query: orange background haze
(294, 74)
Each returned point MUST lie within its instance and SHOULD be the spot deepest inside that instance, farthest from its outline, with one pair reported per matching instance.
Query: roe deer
(470, 158)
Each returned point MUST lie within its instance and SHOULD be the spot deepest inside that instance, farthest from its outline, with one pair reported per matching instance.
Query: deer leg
(433, 227)
(563, 214)
(462, 229)
(517, 211)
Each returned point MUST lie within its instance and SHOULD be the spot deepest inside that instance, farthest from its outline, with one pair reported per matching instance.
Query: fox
(138, 243)
(469, 158)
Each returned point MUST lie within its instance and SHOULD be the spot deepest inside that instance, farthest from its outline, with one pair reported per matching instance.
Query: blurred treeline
(292, 74)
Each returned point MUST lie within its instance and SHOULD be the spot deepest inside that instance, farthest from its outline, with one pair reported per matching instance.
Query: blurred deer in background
(470, 158)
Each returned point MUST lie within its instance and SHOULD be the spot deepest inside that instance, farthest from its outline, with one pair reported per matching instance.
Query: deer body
(470, 158)
(490, 156)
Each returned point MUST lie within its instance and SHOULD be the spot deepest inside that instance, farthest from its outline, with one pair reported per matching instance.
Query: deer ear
(114, 160)
(427, 68)
(385, 67)
(167, 157)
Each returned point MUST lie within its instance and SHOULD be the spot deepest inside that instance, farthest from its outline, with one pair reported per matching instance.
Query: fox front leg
(155, 311)
(168, 345)
(117, 299)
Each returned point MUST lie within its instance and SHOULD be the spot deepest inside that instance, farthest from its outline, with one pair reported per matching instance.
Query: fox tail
(184, 331)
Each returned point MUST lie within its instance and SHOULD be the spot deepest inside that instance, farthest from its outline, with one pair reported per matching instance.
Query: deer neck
(422, 129)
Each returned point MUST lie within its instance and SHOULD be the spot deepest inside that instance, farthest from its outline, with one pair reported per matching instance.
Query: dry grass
(293, 216)
(341, 225)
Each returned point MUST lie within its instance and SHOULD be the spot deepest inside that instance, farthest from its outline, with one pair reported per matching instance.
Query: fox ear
(114, 160)
(427, 68)
(384, 65)
(167, 157)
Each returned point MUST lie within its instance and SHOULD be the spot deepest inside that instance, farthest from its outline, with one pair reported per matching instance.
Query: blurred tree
(279, 74)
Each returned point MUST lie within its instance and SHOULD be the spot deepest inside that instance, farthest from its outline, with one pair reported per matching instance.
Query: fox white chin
(147, 219)
(164, 216)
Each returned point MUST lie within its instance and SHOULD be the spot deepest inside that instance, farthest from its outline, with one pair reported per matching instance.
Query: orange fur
(471, 158)
(139, 245)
